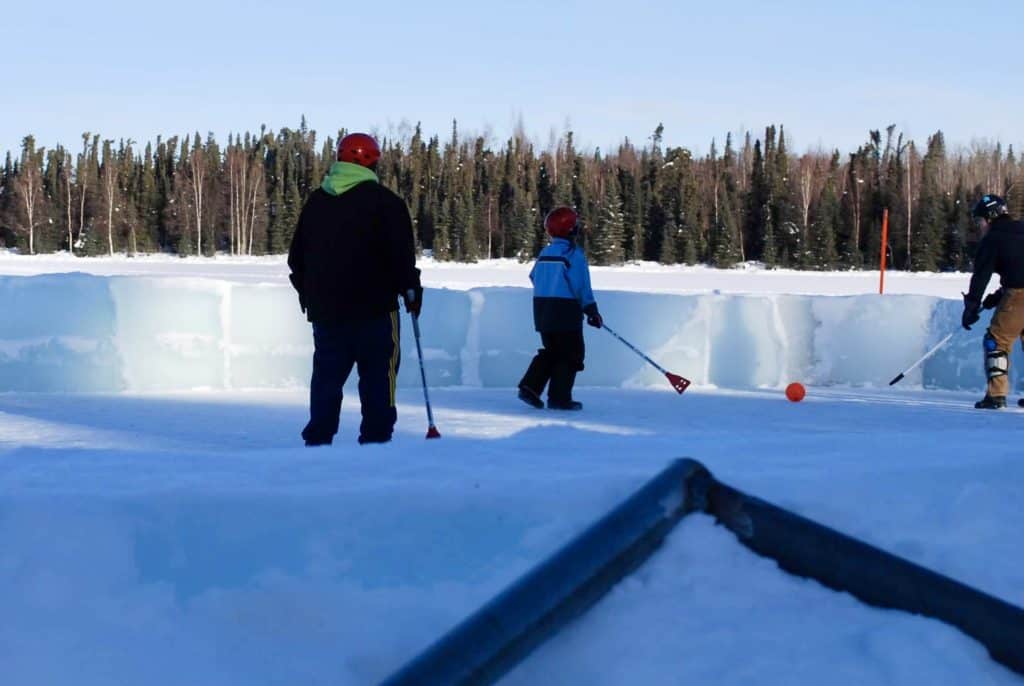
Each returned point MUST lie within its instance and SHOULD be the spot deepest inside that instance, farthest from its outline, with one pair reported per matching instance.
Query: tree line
(745, 200)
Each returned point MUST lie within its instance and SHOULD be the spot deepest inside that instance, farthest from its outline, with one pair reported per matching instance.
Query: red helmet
(359, 148)
(561, 222)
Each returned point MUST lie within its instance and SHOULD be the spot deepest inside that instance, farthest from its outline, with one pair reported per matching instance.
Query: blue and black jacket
(561, 288)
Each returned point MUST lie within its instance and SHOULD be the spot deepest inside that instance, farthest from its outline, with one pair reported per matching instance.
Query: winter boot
(560, 390)
(564, 404)
(528, 396)
(991, 402)
(1020, 403)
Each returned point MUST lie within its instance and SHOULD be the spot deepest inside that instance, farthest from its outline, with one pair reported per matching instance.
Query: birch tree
(28, 188)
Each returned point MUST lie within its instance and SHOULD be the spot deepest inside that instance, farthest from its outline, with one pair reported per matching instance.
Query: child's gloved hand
(593, 316)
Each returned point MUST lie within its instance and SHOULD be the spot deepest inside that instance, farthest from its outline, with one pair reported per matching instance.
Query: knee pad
(996, 361)
(996, 364)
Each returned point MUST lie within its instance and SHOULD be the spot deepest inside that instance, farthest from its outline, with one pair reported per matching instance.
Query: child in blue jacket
(561, 298)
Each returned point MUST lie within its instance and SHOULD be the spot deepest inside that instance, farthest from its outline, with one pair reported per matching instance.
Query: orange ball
(796, 391)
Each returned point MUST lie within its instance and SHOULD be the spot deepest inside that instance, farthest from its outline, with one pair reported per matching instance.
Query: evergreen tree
(632, 213)
(783, 210)
(929, 219)
(276, 227)
(58, 186)
(483, 191)
(670, 233)
(655, 213)
(149, 206)
(760, 235)
(564, 164)
(7, 235)
(726, 245)
(606, 240)
(442, 231)
(825, 222)
(958, 225)
(725, 242)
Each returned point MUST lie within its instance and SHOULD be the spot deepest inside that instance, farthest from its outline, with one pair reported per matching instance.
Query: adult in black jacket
(351, 258)
(1000, 251)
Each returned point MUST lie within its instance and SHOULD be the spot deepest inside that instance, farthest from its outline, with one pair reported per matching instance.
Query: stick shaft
(634, 349)
(930, 352)
(924, 357)
(423, 373)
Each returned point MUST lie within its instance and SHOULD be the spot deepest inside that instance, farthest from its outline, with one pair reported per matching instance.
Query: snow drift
(76, 332)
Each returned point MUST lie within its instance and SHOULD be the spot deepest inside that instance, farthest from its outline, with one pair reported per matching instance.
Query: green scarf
(343, 176)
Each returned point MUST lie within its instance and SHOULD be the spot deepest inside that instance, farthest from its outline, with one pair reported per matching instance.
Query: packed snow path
(187, 538)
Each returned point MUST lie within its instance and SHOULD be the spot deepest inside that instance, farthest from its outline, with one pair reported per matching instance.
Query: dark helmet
(359, 148)
(562, 222)
(990, 207)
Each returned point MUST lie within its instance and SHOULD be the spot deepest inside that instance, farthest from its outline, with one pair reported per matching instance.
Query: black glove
(972, 310)
(992, 300)
(593, 316)
(414, 301)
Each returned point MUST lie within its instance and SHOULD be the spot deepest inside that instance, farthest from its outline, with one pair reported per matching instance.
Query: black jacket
(353, 254)
(1001, 250)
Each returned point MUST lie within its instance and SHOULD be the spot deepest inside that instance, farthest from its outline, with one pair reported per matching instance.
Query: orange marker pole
(885, 242)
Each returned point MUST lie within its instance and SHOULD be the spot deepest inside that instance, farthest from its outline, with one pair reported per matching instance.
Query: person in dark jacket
(561, 298)
(1001, 250)
(351, 258)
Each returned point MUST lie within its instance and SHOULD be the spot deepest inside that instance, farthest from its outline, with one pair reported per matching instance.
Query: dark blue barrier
(493, 640)
(808, 549)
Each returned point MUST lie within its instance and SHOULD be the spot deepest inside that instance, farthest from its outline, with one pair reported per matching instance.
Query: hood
(344, 176)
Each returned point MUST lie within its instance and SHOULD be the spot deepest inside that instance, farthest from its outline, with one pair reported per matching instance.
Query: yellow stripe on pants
(393, 364)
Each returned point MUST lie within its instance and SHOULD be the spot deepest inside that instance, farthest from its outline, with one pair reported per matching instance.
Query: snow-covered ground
(185, 537)
(168, 539)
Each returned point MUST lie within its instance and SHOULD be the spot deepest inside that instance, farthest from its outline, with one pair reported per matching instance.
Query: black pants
(372, 346)
(558, 362)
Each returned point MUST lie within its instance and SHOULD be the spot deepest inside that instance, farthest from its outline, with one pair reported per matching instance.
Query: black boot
(528, 396)
(1020, 403)
(536, 379)
(560, 391)
(991, 402)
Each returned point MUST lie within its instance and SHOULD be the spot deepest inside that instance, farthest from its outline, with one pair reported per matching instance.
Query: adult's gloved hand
(593, 316)
(972, 313)
(992, 300)
(414, 301)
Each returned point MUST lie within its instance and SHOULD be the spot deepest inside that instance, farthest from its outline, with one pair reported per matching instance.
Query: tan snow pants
(1006, 327)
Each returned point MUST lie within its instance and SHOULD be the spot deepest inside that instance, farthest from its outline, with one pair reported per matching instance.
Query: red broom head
(678, 382)
(432, 432)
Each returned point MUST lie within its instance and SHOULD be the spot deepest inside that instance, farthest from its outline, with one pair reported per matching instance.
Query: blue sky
(829, 71)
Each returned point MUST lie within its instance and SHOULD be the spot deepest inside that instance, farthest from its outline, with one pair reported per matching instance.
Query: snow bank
(77, 332)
